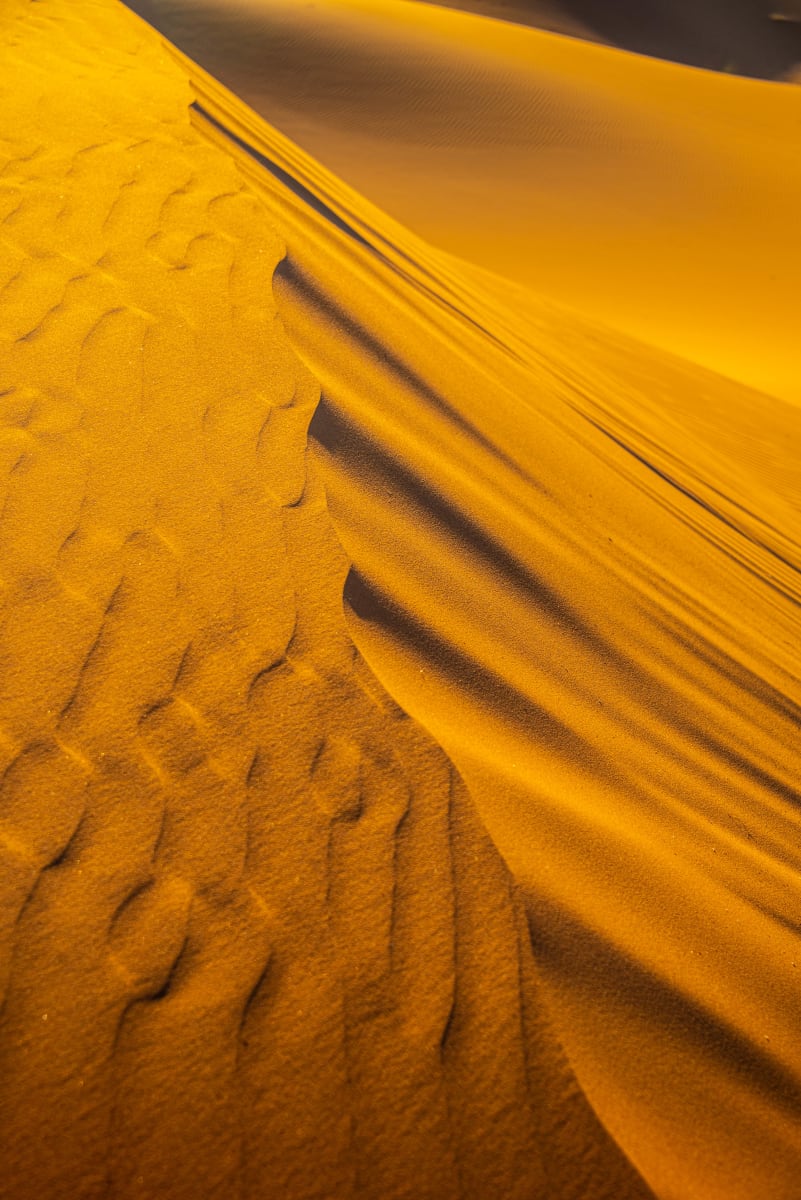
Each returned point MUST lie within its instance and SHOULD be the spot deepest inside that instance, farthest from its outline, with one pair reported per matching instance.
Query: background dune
(744, 37)
(747, 37)
(657, 200)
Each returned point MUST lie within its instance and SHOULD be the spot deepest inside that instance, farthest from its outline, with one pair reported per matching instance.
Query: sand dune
(258, 940)
(576, 560)
(255, 941)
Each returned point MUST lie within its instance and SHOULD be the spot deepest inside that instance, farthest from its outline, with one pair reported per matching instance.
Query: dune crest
(255, 941)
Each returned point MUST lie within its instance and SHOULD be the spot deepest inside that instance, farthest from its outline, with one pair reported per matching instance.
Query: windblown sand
(400, 659)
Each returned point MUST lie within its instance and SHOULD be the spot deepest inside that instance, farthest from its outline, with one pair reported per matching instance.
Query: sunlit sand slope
(576, 559)
(254, 941)
(654, 198)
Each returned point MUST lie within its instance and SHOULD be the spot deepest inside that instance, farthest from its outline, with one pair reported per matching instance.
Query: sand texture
(255, 942)
(400, 663)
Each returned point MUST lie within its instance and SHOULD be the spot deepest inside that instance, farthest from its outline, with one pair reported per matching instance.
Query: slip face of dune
(255, 942)
(576, 560)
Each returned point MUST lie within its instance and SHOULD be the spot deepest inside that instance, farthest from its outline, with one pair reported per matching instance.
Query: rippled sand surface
(400, 425)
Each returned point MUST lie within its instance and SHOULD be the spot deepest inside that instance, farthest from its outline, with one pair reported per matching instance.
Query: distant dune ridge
(259, 937)
(760, 38)
(255, 941)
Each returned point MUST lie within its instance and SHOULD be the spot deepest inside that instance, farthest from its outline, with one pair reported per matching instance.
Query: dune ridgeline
(400, 585)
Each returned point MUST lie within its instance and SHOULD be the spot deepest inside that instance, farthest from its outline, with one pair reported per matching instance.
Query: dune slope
(255, 942)
(576, 560)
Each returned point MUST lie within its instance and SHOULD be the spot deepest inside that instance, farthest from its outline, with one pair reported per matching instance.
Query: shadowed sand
(252, 910)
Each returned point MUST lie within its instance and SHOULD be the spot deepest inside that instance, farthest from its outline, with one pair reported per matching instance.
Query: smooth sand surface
(259, 941)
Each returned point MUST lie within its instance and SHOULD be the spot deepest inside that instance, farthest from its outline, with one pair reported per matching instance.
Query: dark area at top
(760, 38)
(747, 37)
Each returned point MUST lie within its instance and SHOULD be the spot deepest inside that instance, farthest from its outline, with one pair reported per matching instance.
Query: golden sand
(653, 198)
(259, 939)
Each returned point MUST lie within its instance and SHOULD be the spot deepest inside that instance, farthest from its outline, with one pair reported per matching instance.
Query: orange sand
(257, 942)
